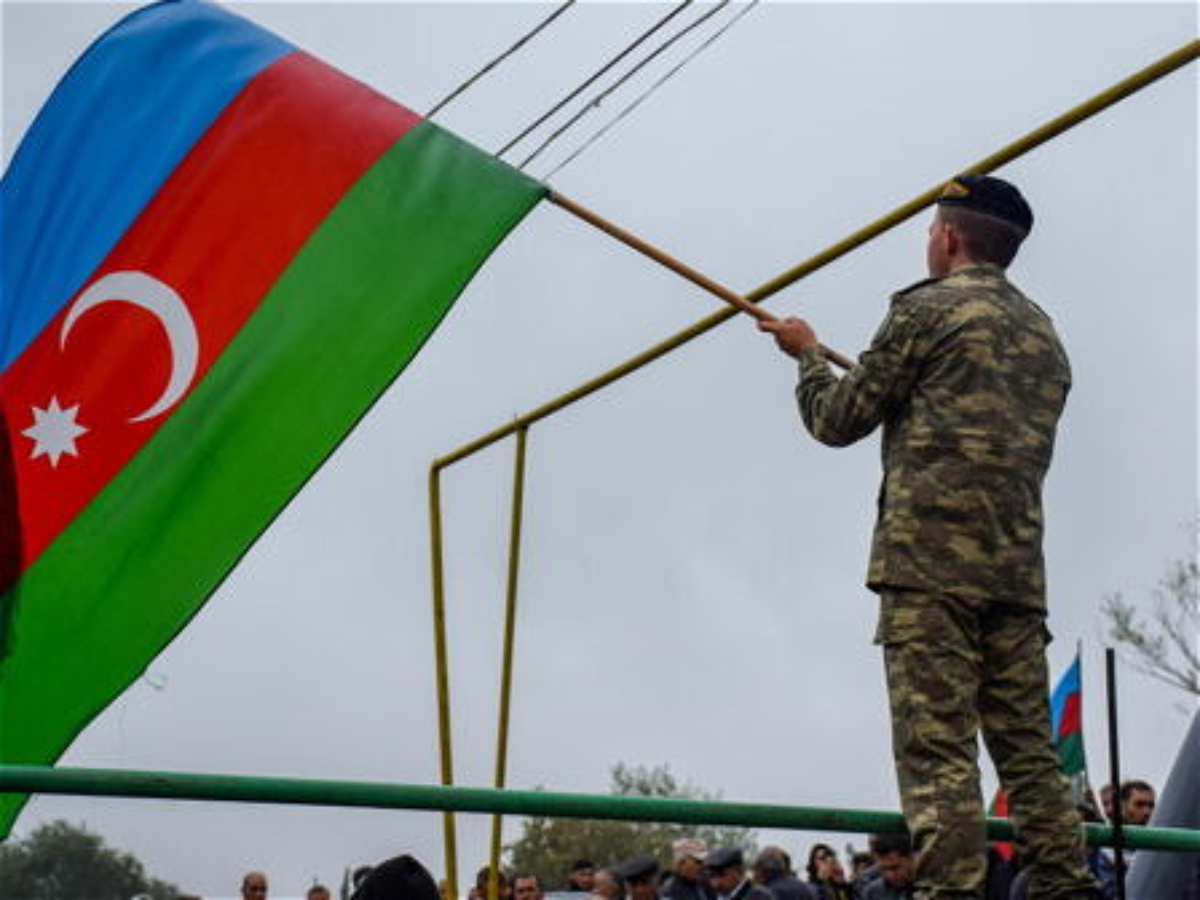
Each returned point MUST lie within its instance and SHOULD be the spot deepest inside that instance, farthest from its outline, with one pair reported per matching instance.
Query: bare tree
(1165, 644)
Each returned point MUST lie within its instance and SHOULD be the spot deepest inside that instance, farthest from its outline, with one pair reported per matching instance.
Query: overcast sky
(692, 578)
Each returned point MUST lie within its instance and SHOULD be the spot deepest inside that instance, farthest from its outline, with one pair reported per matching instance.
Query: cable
(600, 72)
(650, 90)
(562, 8)
(595, 104)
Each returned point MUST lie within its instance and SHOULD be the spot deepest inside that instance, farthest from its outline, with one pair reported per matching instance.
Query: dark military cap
(638, 868)
(990, 196)
(724, 858)
(401, 878)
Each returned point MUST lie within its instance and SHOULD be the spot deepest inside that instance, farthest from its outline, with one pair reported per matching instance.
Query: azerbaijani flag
(1066, 720)
(217, 252)
(1066, 727)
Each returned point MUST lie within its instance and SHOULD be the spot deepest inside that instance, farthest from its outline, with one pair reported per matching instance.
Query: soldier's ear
(952, 238)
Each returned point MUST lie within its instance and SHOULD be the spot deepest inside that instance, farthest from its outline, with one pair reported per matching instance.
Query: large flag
(1066, 727)
(217, 253)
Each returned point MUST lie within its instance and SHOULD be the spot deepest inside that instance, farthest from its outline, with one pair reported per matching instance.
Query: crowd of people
(700, 872)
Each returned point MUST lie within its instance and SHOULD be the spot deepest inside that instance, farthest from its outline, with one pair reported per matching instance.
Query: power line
(595, 104)
(646, 35)
(445, 101)
(650, 90)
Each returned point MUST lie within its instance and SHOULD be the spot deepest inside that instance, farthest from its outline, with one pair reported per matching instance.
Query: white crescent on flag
(165, 304)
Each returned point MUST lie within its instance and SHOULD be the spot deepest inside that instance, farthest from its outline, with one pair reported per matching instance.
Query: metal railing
(377, 795)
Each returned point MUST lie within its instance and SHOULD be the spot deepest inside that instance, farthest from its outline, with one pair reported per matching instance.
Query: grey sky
(692, 581)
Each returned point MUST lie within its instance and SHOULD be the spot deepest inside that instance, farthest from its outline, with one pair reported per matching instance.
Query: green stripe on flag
(1070, 753)
(354, 307)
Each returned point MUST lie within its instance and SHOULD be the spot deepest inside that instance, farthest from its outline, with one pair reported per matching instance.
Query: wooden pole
(679, 268)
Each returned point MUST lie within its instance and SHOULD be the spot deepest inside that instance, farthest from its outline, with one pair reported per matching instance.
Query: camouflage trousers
(954, 669)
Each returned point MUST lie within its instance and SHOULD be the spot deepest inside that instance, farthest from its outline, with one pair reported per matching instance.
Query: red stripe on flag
(999, 810)
(218, 235)
(1000, 805)
(1072, 717)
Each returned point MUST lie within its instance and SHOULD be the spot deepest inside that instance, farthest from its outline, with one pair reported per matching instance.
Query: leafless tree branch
(1165, 644)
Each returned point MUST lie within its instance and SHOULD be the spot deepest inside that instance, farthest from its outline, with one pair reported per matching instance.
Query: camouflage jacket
(967, 378)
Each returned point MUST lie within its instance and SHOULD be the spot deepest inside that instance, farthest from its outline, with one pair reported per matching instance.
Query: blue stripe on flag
(116, 127)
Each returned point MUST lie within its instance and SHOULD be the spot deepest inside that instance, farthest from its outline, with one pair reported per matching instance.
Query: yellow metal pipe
(566, 399)
(1021, 146)
(1035, 138)
(510, 630)
(442, 657)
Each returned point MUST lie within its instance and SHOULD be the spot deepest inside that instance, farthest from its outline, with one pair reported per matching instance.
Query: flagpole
(1084, 787)
(1114, 765)
(679, 268)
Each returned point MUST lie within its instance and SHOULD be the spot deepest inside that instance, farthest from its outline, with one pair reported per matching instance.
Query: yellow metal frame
(521, 425)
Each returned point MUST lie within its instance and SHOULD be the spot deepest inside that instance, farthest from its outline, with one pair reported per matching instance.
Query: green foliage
(547, 847)
(60, 861)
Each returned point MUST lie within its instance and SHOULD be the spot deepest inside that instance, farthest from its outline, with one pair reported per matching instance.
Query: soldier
(967, 378)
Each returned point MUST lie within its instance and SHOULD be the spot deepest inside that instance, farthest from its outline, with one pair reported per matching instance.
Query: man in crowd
(399, 877)
(581, 875)
(687, 882)
(480, 890)
(254, 886)
(861, 863)
(317, 892)
(640, 875)
(607, 885)
(893, 861)
(967, 378)
(1137, 802)
(526, 887)
(726, 872)
(1108, 802)
(773, 870)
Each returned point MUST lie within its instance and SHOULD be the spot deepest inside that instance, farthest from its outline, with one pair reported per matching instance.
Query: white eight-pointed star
(54, 431)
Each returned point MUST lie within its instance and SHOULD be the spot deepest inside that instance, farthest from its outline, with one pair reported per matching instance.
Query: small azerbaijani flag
(1066, 726)
(217, 253)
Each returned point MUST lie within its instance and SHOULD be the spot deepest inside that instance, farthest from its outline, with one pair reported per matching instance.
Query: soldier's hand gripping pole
(680, 268)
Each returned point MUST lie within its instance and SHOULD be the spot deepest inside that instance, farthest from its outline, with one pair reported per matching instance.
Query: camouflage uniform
(967, 378)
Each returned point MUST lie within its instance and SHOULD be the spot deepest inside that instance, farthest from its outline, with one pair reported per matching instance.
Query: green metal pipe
(313, 792)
